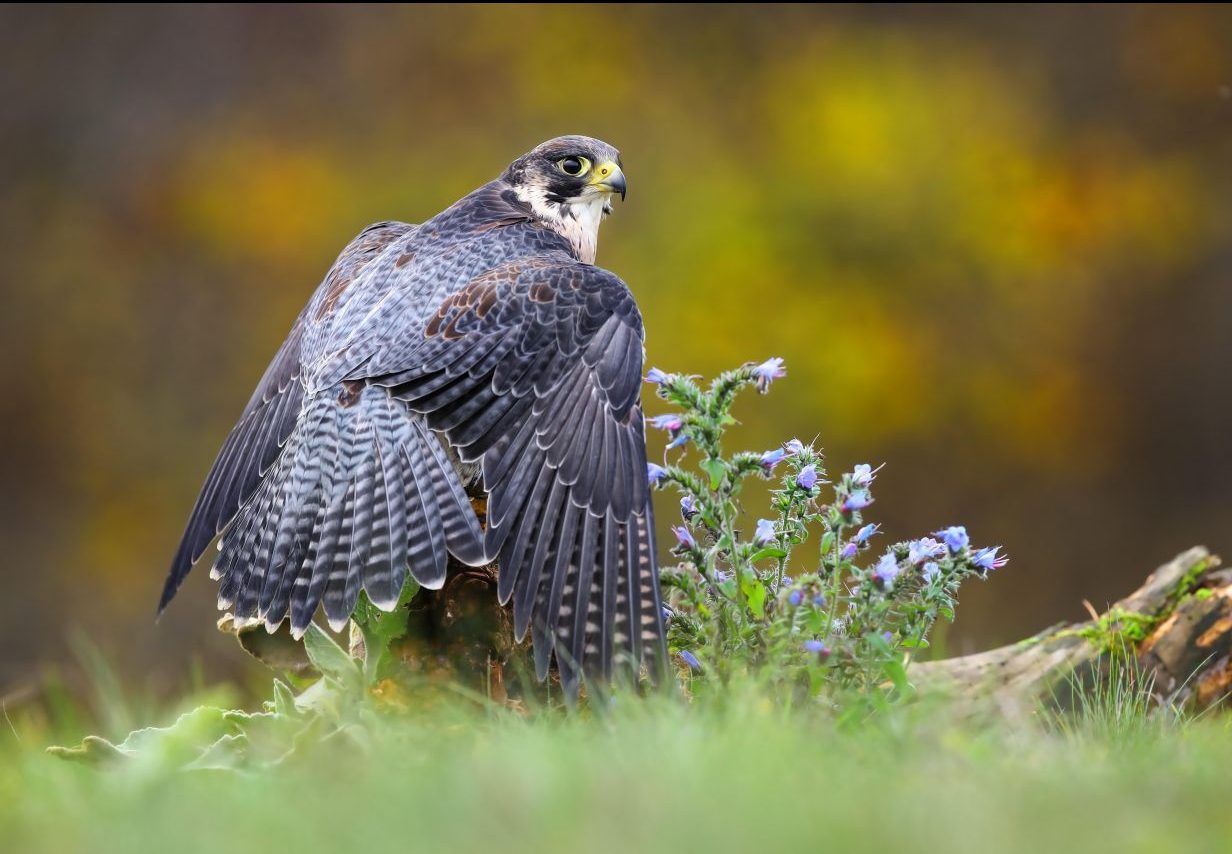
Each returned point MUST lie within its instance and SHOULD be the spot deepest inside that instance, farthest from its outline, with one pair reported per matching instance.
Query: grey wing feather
(556, 424)
(273, 411)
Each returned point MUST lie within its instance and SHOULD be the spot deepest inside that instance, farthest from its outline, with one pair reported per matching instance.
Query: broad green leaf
(325, 654)
(284, 699)
(897, 674)
(171, 746)
(827, 542)
(755, 594)
(381, 629)
(716, 469)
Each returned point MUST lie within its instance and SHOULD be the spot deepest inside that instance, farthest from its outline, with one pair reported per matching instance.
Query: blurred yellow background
(993, 245)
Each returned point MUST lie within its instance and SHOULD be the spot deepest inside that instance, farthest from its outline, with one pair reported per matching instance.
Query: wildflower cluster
(746, 594)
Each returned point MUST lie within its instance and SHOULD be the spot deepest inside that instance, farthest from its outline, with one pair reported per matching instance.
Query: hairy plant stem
(835, 582)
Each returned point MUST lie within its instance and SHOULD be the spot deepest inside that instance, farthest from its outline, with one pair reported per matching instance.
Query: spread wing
(534, 369)
(273, 412)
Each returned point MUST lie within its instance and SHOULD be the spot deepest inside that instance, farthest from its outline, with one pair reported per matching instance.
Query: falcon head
(568, 183)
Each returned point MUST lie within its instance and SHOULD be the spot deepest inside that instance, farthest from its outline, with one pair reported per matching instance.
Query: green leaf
(880, 644)
(755, 595)
(897, 674)
(716, 468)
(332, 660)
(827, 542)
(381, 629)
(769, 551)
(161, 747)
(284, 699)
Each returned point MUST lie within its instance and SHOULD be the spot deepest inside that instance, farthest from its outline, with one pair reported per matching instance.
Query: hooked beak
(609, 178)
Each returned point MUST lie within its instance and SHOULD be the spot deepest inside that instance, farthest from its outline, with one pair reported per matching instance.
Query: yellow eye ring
(574, 165)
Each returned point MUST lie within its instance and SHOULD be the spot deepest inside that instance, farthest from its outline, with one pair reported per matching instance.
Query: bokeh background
(994, 246)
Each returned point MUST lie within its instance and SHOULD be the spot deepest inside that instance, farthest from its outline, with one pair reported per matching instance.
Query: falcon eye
(573, 165)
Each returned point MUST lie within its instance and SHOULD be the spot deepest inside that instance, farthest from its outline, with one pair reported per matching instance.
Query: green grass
(741, 775)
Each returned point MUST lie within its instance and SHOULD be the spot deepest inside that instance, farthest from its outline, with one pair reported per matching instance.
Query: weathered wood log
(1176, 629)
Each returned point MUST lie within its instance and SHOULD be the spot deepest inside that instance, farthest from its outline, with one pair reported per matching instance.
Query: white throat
(577, 221)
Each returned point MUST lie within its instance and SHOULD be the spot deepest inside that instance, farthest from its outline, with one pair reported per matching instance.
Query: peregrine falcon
(482, 344)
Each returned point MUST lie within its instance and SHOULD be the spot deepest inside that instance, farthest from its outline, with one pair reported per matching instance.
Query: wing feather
(548, 404)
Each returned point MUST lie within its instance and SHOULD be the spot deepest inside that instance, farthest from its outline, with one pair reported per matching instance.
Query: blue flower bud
(770, 459)
(988, 559)
(684, 537)
(857, 500)
(767, 372)
(886, 570)
(765, 533)
(794, 598)
(924, 549)
(863, 475)
(690, 660)
(688, 508)
(807, 478)
(863, 535)
(955, 538)
(817, 648)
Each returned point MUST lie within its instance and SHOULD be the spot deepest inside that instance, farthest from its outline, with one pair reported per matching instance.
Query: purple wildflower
(684, 537)
(770, 459)
(864, 534)
(849, 550)
(886, 570)
(655, 473)
(864, 475)
(931, 571)
(767, 372)
(656, 376)
(674, 426)
(670, 422)
(819, 600)
(794, 598)
(924, 549)
(690, 660)
(807, 478)
(817, 648)
(955, 538)
(857, 500)
(765, 533)
(688, 508)
(988, 559)
(794, 447)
